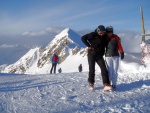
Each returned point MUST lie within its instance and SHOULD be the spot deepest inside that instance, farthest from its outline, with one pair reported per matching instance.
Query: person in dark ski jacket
(54, 60)
(80, 68)
(96, 43)
(112, 55)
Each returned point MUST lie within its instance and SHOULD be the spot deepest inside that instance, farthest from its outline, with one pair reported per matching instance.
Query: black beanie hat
(101, 28)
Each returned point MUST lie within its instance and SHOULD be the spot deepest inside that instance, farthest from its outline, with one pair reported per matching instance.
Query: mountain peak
(67, 32)
(71, 34)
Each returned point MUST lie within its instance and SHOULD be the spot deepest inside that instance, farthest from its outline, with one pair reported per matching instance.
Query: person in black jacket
(96, 43)
(80, 68)
(59, 70)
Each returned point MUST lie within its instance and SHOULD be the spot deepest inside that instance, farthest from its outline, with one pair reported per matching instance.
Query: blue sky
(18, 16)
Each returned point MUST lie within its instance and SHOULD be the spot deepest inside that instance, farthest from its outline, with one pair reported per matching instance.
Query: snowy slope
(69, 93)
(24, 63)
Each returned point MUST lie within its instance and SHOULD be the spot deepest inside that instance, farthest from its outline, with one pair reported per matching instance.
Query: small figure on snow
(80, 68)
(59, 70)
(54, 60)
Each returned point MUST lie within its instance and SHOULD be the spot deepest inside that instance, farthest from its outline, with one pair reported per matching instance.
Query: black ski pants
(101, 63)
(53, 66)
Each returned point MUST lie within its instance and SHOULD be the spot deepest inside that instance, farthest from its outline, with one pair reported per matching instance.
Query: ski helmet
(100, 28)
(109, 29)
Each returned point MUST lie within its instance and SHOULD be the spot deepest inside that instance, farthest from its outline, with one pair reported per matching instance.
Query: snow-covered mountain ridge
(64, 44)
(72, 53)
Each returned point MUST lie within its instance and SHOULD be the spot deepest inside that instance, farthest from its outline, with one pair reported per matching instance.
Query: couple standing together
(103, 41)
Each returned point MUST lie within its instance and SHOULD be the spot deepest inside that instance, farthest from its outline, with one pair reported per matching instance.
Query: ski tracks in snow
(69, 92)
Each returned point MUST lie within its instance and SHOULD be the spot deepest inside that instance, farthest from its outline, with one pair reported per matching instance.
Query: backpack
(55, 58)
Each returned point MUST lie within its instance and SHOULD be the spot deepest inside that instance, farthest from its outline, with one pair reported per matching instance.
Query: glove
(122, 55)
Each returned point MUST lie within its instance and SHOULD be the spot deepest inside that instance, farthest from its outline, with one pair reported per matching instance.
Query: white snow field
(69, 93)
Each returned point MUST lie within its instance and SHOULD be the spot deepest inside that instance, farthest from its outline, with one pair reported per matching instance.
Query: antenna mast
(143, 29)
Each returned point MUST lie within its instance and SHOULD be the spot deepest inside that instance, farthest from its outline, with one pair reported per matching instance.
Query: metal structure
(143, 29)
(145, 48)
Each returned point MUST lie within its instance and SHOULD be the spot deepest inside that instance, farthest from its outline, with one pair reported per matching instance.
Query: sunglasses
(109, 31)
(101, 33)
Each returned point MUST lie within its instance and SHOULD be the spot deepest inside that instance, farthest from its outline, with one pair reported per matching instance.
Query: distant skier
(54, 60)
(59, 70)
(80, 68)
(112, 55)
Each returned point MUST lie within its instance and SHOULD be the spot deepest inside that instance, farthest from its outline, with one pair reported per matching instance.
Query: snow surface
(68, 92)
